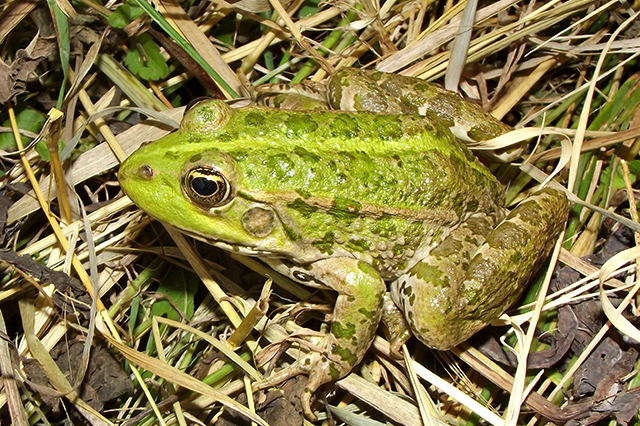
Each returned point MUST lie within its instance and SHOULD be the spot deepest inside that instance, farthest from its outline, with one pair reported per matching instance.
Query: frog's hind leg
(466, 282)
(356, 317)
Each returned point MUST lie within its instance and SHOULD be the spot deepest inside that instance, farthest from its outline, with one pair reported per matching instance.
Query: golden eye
(207, 186)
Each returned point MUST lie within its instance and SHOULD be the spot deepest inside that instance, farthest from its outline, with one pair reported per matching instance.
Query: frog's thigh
(456, 291)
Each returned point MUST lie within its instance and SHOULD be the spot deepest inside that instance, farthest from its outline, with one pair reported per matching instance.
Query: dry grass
(191, 350)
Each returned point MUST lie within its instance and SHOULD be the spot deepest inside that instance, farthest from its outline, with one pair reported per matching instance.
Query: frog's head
(187, 180)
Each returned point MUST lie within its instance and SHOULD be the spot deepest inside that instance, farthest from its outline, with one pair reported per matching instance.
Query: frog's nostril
(146, 172)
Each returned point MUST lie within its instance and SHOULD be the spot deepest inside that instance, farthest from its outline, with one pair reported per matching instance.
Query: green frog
(352, 201)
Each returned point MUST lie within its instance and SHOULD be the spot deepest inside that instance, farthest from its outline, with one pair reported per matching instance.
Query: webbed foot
(321, 367)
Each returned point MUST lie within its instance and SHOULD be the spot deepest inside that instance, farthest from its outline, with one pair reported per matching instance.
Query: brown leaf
(104, 376)
(14, 76)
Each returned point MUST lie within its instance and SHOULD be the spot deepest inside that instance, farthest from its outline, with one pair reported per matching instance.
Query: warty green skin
(349, 201)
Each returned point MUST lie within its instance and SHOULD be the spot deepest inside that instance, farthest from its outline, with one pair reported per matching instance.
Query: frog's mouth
(242, 249)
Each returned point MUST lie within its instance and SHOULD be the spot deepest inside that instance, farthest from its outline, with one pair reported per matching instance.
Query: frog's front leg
(356, 316)
(467, 281)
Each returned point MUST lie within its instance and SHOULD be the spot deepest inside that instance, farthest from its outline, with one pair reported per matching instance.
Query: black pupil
(205, 186)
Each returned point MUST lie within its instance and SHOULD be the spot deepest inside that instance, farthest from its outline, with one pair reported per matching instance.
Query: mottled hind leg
(458, 290)
(356, 317)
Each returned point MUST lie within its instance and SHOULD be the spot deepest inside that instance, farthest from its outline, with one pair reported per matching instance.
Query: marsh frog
(355, 200)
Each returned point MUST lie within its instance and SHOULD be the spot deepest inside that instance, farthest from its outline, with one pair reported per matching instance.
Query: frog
(359, 202)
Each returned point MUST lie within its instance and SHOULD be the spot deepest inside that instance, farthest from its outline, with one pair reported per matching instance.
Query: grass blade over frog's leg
(451, 294)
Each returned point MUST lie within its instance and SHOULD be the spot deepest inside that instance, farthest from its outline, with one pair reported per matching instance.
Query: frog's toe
(305, 400)
(320, 369)
(394, 320)
(286, 374)
(279, 377)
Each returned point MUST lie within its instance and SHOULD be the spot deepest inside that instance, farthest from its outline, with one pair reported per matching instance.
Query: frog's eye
(207, 186)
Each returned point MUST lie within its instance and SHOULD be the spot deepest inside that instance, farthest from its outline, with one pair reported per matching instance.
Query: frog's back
(393, 163)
